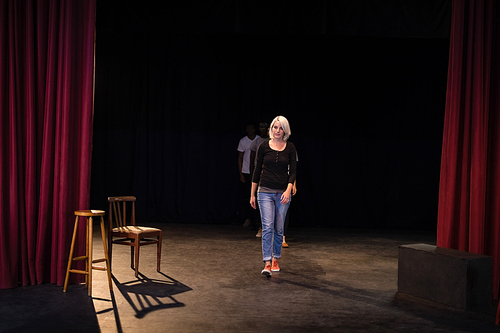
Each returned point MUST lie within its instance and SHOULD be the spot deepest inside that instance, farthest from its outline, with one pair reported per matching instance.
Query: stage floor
(331, 281)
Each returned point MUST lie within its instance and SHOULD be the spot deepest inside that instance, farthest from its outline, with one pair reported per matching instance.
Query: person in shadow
(264, 136)
(245, 212)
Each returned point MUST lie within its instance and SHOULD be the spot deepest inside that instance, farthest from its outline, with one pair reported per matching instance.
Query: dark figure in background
(273, 178)
(264, 136)
(246, 213)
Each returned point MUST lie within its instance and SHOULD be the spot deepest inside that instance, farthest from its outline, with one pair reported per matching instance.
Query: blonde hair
(284, 124)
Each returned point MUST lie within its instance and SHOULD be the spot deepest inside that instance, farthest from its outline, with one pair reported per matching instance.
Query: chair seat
(135, 229)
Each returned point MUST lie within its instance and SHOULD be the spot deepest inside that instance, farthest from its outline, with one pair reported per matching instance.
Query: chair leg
(132, 251)
(158, 255)
(137, 247)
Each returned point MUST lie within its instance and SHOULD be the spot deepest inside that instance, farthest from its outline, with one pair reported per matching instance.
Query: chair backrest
(117, 215)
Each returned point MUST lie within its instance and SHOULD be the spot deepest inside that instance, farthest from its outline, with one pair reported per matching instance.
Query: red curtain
(469, 193)
(46, 105)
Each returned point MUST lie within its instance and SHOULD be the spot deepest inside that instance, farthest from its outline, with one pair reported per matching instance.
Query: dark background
(363, 84)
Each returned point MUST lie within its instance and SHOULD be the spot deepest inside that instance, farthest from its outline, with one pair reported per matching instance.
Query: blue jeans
(272, 214)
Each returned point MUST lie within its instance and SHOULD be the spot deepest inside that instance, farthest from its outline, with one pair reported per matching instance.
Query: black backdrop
(363, 86)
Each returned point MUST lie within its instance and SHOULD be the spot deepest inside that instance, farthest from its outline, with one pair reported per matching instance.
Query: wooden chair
(122, 230)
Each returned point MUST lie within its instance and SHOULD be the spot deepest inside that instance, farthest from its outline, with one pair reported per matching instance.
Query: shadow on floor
(46, 308)
(146, 295)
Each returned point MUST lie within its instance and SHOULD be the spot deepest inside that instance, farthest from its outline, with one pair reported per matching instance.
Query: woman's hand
(285, 197)
(252, 202)
(252, 195)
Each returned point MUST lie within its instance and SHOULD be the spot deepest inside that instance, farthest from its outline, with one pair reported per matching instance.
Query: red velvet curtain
(469, 194)
(46, 105)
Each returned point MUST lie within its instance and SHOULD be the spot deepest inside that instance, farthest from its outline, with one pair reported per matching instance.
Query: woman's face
(278, 130)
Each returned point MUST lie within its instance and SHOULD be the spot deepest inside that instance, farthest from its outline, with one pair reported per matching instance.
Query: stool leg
(108, 266)
(70, 255)
(89, 237)
(87, 253)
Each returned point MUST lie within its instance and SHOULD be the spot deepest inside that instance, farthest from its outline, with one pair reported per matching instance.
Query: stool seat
(89, 261)
(90, 212)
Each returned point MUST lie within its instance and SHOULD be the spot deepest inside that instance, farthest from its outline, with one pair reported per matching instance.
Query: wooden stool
(88, 251)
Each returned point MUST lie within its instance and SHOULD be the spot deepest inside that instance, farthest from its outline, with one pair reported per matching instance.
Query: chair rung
(122, 239)
(124, 243)
(149, 242)
(128, 240)
(80, 258)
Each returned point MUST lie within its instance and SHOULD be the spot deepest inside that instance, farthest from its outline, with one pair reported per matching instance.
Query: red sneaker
(267, 270)
(275, 267)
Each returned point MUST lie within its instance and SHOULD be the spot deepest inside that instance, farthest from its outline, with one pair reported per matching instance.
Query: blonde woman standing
(272, 183)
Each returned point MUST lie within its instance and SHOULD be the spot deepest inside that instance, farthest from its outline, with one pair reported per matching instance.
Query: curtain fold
(468, 219)
(46, 110)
